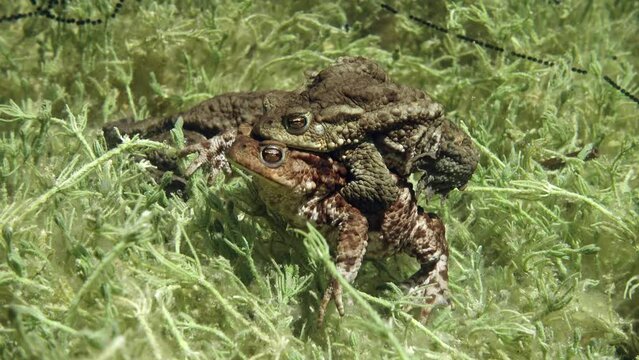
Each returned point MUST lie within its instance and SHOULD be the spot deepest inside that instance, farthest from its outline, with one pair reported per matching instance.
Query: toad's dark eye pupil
(271, 155)
(297, 122)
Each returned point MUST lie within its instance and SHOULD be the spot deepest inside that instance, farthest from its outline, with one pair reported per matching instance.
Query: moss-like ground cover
(96, 261)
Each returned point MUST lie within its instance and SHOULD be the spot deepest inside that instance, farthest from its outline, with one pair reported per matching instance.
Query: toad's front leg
(211, 154)
(371, 186)
(351, 245)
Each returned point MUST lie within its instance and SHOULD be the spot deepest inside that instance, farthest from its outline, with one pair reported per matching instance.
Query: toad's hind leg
(371, 185)
(428, 245)
(351, 245)
(208, 118)
(448, 158)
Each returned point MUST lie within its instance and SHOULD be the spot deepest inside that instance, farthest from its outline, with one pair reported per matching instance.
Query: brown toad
(351, 109)
(303, 187)
(369, 122)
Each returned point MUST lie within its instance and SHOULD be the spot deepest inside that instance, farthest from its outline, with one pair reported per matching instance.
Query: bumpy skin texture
(306, 187)
(356, 112)
(370, 187)
(352, 102)
(348, 100)
(209, 118)
(423, 236)
(442, 150)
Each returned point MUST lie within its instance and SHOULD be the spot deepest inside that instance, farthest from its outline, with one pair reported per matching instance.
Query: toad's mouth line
(246, 172)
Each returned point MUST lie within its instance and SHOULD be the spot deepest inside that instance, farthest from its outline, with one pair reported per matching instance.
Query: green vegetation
(97, 261)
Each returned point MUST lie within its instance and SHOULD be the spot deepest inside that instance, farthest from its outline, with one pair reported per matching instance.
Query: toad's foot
(334, 291)
(211, 155)
(431, 284)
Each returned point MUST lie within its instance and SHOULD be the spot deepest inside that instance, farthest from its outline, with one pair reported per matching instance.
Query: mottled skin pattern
(304, 186)
(440, 149)
(207, 119)
(354, 110)
(366, 121)
(215, 119)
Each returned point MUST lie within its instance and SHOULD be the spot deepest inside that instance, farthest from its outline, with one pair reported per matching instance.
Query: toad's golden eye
(297, 124)
(272, 155)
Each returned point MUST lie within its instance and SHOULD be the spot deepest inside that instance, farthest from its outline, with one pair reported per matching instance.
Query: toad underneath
(305, 187)
(351, 110)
